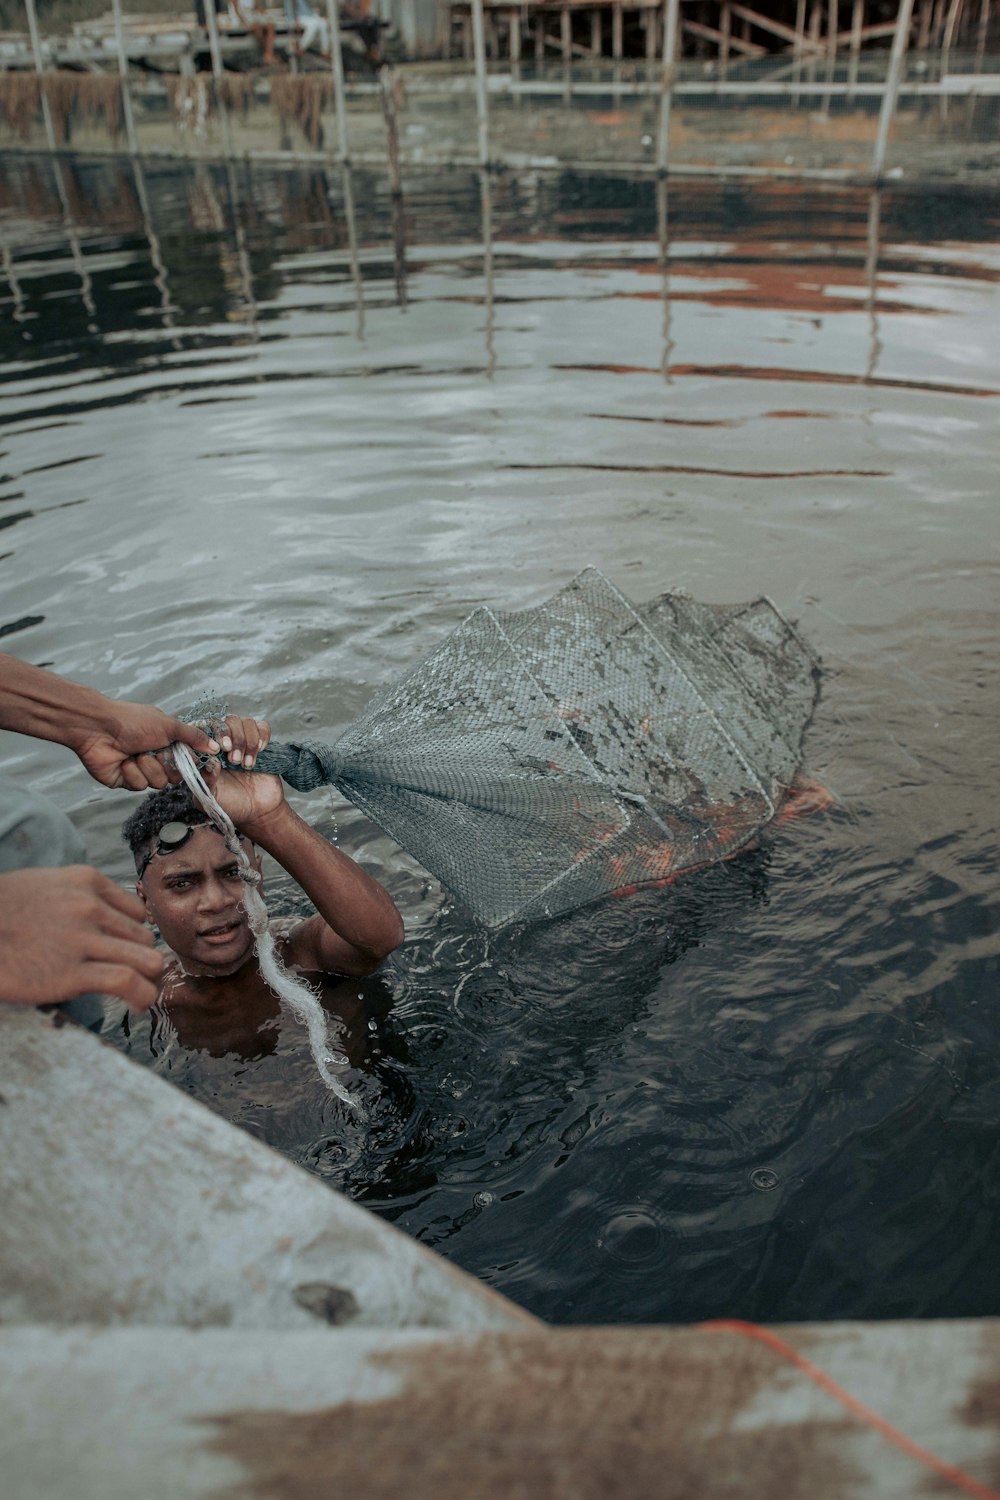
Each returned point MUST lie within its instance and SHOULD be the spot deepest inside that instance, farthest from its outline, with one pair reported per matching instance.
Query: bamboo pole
(671, 28)
(127, 111)
(482, 109)
(894, 78)
(337, 69)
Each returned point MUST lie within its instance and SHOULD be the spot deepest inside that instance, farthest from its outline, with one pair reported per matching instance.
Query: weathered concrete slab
(124, 1201)
(573, 1414)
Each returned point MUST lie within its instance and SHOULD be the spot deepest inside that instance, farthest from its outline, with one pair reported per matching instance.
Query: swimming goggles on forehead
(171, 837)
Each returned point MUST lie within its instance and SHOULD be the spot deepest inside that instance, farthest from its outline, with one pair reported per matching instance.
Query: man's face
(193, 894)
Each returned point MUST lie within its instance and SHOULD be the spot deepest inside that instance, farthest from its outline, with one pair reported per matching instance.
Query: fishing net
(536, 761)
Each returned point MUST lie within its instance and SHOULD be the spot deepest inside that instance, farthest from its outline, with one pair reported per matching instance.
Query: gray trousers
(35, 835)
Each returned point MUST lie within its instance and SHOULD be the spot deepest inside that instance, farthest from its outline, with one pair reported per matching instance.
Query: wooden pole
(337, 69)
(127, 111)
(984, 26)
(617, 49)
(950, 27)
(671, 28)
(387, 85)
(215, 51)
(800, 37)
(857, 25)
(482, 108)
(36, 49)
(894, 78)
(566, 34)
(726, 27)
(595, 32)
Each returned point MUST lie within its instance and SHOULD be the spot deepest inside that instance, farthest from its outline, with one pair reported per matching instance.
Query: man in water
(191, 889)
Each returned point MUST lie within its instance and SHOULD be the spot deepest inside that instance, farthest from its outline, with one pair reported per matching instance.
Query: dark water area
(257, 446)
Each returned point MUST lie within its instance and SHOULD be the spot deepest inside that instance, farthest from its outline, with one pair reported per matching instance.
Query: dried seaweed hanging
(72, 97)
(21, 96)
(237, 92)
(300, 100)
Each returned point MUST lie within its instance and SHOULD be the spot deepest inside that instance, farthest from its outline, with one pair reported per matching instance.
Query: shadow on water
(352, 416)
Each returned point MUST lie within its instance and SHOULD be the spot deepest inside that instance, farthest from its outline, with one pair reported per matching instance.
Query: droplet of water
(764, 1179)
(483, 1200)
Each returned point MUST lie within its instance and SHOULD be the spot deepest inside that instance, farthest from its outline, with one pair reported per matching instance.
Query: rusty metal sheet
(570, 1414)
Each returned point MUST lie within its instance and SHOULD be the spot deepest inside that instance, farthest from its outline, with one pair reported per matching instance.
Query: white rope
(300, 996)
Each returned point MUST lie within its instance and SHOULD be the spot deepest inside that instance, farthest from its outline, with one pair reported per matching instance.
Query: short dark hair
(172, 804)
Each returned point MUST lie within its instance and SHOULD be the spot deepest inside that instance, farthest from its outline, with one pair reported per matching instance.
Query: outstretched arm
(110, 738)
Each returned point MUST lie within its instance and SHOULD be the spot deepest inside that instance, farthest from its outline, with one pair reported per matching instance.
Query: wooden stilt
(595, 32)
(539, 36)
(566, 34)
(617, 30)
(800, 38)
(649, 21)
(515, 37)
(950, 27)
(857, 22)
(984, 26)
(726, 26)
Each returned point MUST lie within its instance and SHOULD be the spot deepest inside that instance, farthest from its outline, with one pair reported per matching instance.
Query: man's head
(190, 882)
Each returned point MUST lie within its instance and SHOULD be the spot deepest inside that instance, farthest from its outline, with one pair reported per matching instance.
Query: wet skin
(212, 990)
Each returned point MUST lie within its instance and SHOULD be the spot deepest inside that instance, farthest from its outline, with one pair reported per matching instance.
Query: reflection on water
(271, 435)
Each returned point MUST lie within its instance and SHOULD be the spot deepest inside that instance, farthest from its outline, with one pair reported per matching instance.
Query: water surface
(249, 452)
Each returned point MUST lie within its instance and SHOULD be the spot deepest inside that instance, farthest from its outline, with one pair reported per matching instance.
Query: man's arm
(110, 738)
(357, 925)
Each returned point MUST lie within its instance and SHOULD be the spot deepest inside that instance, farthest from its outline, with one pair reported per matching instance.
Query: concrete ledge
(573, 1414)
(124, 1201)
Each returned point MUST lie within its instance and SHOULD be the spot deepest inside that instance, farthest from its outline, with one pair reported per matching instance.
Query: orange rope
(764, 1336)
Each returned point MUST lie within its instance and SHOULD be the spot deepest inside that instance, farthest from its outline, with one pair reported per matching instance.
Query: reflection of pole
(242, 254)
(352, 248)
(10, 276)
(671, 14)
(871, 282)
(130, 136)
(893, 80)
(663, 239)
(399, 247)
(387, 83)
(155, 254)
(36, 48)
(337, 65)
(479, 51)
(486, 199)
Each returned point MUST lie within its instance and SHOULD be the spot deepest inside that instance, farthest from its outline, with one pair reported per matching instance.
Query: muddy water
(246, 452)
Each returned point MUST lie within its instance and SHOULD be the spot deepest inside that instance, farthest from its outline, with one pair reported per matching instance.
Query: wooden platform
(616, 29)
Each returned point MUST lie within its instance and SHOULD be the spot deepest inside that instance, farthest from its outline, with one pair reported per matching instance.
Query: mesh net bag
(538, 760)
